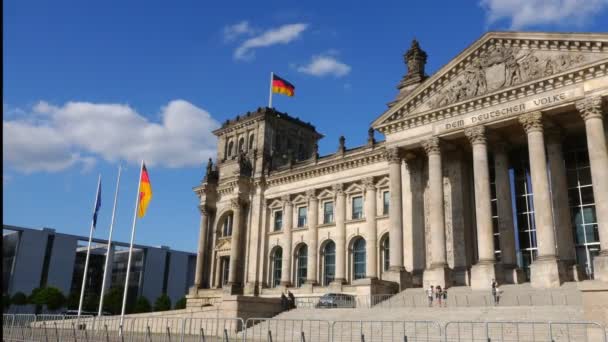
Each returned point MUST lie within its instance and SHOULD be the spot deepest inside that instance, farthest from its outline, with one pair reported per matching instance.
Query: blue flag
(97, 205)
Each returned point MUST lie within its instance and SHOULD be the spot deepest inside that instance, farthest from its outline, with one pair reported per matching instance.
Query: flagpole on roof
(86, 262)
(124, 296)
(109, 248)
(270, 93)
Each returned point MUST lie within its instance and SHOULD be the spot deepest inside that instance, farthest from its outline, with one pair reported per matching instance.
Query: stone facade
(434, 202)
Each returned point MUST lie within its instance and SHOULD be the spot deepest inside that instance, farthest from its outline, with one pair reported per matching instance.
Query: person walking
(445, 297)
(495, 291)
(292, 300)
(438, 295)
(430, 292)
(284, 304)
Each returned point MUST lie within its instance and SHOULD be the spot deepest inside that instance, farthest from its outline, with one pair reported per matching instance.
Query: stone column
(483, 272)
(438, 273)
(287, 238)
(504, 204)
(371, 228)
(591, 110)
(218, 273)
(545, 270)
(340, 233)
(235, 249)
(395, 211)
(202, 242)
(312, 237)
(561, 210)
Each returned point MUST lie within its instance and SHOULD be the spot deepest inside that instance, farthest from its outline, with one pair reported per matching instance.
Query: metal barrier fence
(524, 331)
(285, 330)
(52, 328)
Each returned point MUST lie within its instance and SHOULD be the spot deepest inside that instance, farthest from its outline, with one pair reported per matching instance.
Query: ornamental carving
(590, 107)
(235, 204)
(501, 67)
(369, 184)
(204, 209)
(476, 135)
(338, 189)
(286, 200)
(393, 155)
(432, 146)
(311, 194)
(532, 122)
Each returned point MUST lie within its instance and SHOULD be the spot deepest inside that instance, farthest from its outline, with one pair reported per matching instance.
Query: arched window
(301, 265)
(226, 227)
(329, 263)
(384, 249)
(230, 148)
(359, 259)
(276, 261)
(241, 144)
(251, 142)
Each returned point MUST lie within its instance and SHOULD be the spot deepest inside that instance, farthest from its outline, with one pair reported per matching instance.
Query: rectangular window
(278, 220)
(302, 216)
(357, 208)
(328, 212)
(385, 202)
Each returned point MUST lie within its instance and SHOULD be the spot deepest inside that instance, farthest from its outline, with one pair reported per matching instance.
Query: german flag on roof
(281, 86)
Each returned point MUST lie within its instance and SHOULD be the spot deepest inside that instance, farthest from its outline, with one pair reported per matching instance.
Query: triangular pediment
(496, 62)
(275, 204)
(326, 194)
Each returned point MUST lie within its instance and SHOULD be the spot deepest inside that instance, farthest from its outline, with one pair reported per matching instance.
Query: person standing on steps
(495, 291)
(284, 304)
(429, 293)
(292, 300)
(438, 294)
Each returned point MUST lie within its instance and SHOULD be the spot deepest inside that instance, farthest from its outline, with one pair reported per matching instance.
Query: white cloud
(237, 30)
(280, 35)
(324, 65)
(81, 132)
(523, 13)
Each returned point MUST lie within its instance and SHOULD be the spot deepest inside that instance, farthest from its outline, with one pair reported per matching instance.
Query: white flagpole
(109, 248)
(86, 261)
(124, 296)
(270, 94)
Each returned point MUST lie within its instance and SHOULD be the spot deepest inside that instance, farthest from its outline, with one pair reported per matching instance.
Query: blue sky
(91, 84)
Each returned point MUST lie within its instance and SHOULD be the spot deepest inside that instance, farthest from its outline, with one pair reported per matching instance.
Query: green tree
(180, 304)
(163, 303)
(6, 302)
(19, 298)
(112, 301)
(142, 305)
(49, 296)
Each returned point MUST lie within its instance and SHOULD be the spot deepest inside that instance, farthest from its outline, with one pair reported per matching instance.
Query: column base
(547, 273)
(437, 275)
(483, 273)
(399, 276)
(232, 289)
(600, 267)
(513, 274)
(251, 288)
(574, 272)
(336, 285)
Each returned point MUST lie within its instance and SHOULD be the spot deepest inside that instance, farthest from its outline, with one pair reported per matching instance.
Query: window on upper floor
(328, 212)
(278, 220)
(386, 197)
(251, 141)
(241, 144)
(302, 211)
(230, 149)
(357, 207)
(227, 226)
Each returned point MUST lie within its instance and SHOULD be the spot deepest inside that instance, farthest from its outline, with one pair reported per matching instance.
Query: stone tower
(415, 60)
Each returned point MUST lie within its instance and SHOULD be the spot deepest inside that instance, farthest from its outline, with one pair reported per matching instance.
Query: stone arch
(224, 223)
(300, 264)
(327, 261)
(275, 265)
(357, 257)
(383, 253)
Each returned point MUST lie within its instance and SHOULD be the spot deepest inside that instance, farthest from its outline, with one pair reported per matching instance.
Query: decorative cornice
(476, 135)
(393, 156)
(368, 183)
(532, 122)
(432, 146)
(590, 107)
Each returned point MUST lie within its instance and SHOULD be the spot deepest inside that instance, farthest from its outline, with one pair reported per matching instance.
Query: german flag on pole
(145, 192)
(281, 86)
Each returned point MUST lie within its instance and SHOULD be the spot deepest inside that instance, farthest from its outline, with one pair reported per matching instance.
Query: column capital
(286, 199)
(311, 194)
(590, 107)
(532, 122)
(476, 135)
(204, 209)
(236, 203)
(369, 184)
(338, 189)
(393, 155)
(432, 146)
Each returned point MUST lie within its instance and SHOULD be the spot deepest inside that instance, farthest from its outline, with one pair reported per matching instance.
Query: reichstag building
(494, 167)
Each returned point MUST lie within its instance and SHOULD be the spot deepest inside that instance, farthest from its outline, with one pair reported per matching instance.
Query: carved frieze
(590, 107)
(502, 67)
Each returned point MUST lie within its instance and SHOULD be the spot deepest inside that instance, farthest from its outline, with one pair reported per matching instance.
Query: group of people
(441, 295)
(288, 302)
(437, 293)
